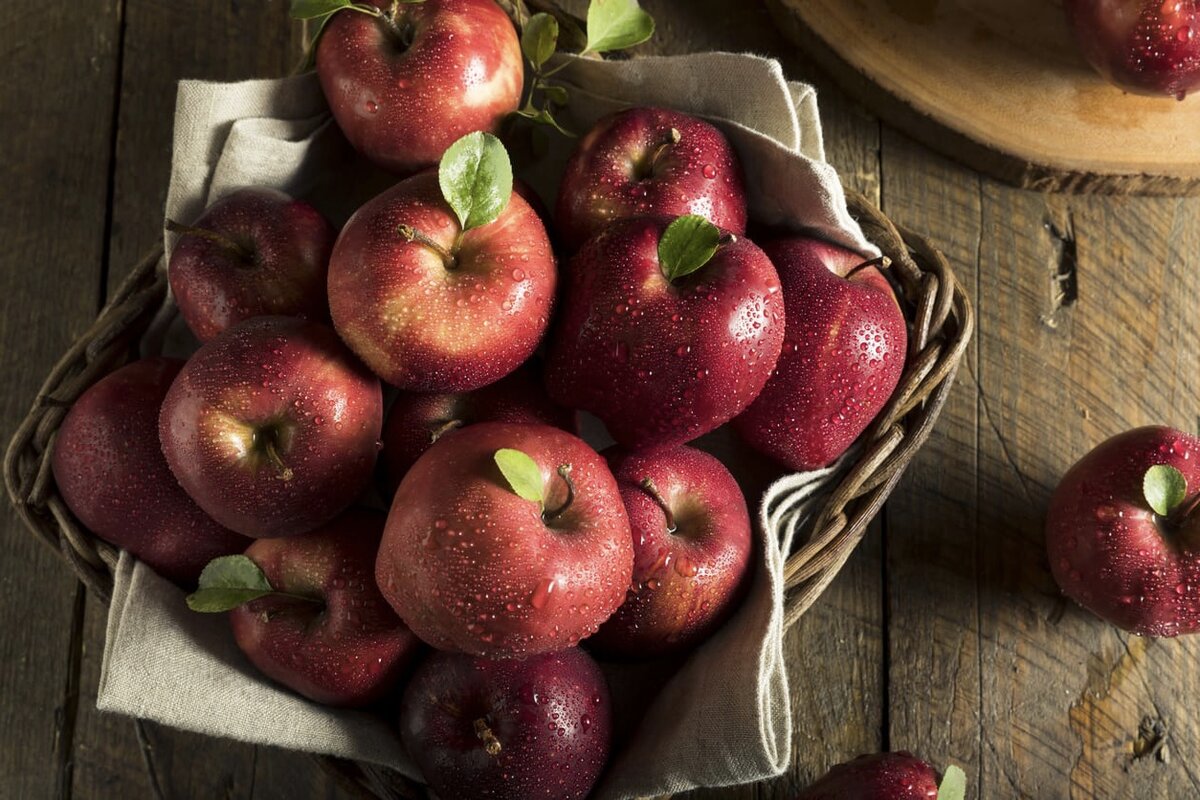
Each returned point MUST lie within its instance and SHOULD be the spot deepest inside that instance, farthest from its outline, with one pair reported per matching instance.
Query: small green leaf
(687, 245)
(954, 784)
(616, 25)
(522, 473)
(226, 583)
(476, 179)
(1164, 488)
(539, 39)
(312, 9)
(557, 95)
(542, 116)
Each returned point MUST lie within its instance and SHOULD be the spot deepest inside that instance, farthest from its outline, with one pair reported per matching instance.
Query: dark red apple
(662, 361)
(1144, 46)
(1108, 548)
(405, 83)
(842, 357)
(111, 473)
(417, 420)
(508, 730)
(691, 551)
(424, 322)
(273, 426)
(879, 776)
(255, 252)
(472, 566)
(326, 632)
(650, 162)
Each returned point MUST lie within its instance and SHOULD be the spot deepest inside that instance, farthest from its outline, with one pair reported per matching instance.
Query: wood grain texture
(56, 139)
(1003, 88)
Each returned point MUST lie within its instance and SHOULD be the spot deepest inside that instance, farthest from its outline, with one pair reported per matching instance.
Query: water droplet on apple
(709, 171)
(541, 593)
(620, 308)
(683, 350)
(621, 352)
(686, 567)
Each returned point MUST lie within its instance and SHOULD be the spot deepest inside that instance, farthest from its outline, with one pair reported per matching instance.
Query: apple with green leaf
(254, 252)
(1123, 532)
(273, 426)
(668, 329)
(539, 727)
(444, 283)
(307, 613)
(405, 79)
(507, 542)
(887, 776)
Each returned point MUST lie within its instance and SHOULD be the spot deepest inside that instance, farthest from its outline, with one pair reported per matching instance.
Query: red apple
(253, 253)
(691, 551)
(650, 162)
(325, 631)
(1144, 46)
(662, 361)
(508, 730)
(427, 323)
(1111, 552)
(111, 473)
(880, 776)
(473, 567)
(273, 426)
(417, 420)
(843, 355)
(405, 83)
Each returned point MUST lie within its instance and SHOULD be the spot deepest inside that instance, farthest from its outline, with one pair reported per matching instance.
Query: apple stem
(285, 472)
(219, 239)
(411, 234)
(564, 472)
(883, 262)
(391, 26)
(672, 139)
(726, 240)
(490, 743)
(1180, 514)
(444, 428)
(649, 488)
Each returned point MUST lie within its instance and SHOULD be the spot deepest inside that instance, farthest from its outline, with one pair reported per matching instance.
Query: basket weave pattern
(941, 322)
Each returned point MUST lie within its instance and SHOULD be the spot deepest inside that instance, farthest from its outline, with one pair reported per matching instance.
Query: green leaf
(476, 179)
(954, 784)
(312, 9)
(616, 25)
(542, 116)
(687, 245)
(557, 95)
(522, 473)
(226, 583)
(1164, 488)
(539, 39)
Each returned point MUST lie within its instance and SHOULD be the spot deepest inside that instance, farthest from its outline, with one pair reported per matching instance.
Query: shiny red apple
(842, 357)
(508, 730)
(474, 567)
(1144, 46)
(417, 420)
(650, 162)
(441, 322)
(406, 82)
(111, 473)
(1108, 548)
(663, 360)
(255, 252)
(326, 632)
(273, 426)
(878, 776)
(691, 552)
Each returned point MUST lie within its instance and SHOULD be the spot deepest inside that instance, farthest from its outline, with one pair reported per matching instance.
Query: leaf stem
(411, 234)
(564, 472)
(649, 488)
(1182, 512)
(219, 239)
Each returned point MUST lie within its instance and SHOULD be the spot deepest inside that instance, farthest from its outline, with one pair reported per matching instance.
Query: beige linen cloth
(723, 717)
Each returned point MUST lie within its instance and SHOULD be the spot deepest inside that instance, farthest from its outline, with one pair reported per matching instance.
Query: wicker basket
(941, 322)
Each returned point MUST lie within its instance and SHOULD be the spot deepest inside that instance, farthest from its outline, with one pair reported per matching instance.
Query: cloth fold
(722, 716)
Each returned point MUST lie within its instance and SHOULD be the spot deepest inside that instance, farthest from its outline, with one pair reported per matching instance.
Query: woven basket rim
(940, 321)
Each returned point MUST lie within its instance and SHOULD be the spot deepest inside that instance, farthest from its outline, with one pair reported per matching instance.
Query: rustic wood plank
(931, 559)
(56, 137)
(1064, 698)
(164, 42)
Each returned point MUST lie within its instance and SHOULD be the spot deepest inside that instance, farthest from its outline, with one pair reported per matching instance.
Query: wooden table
(944, 634)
